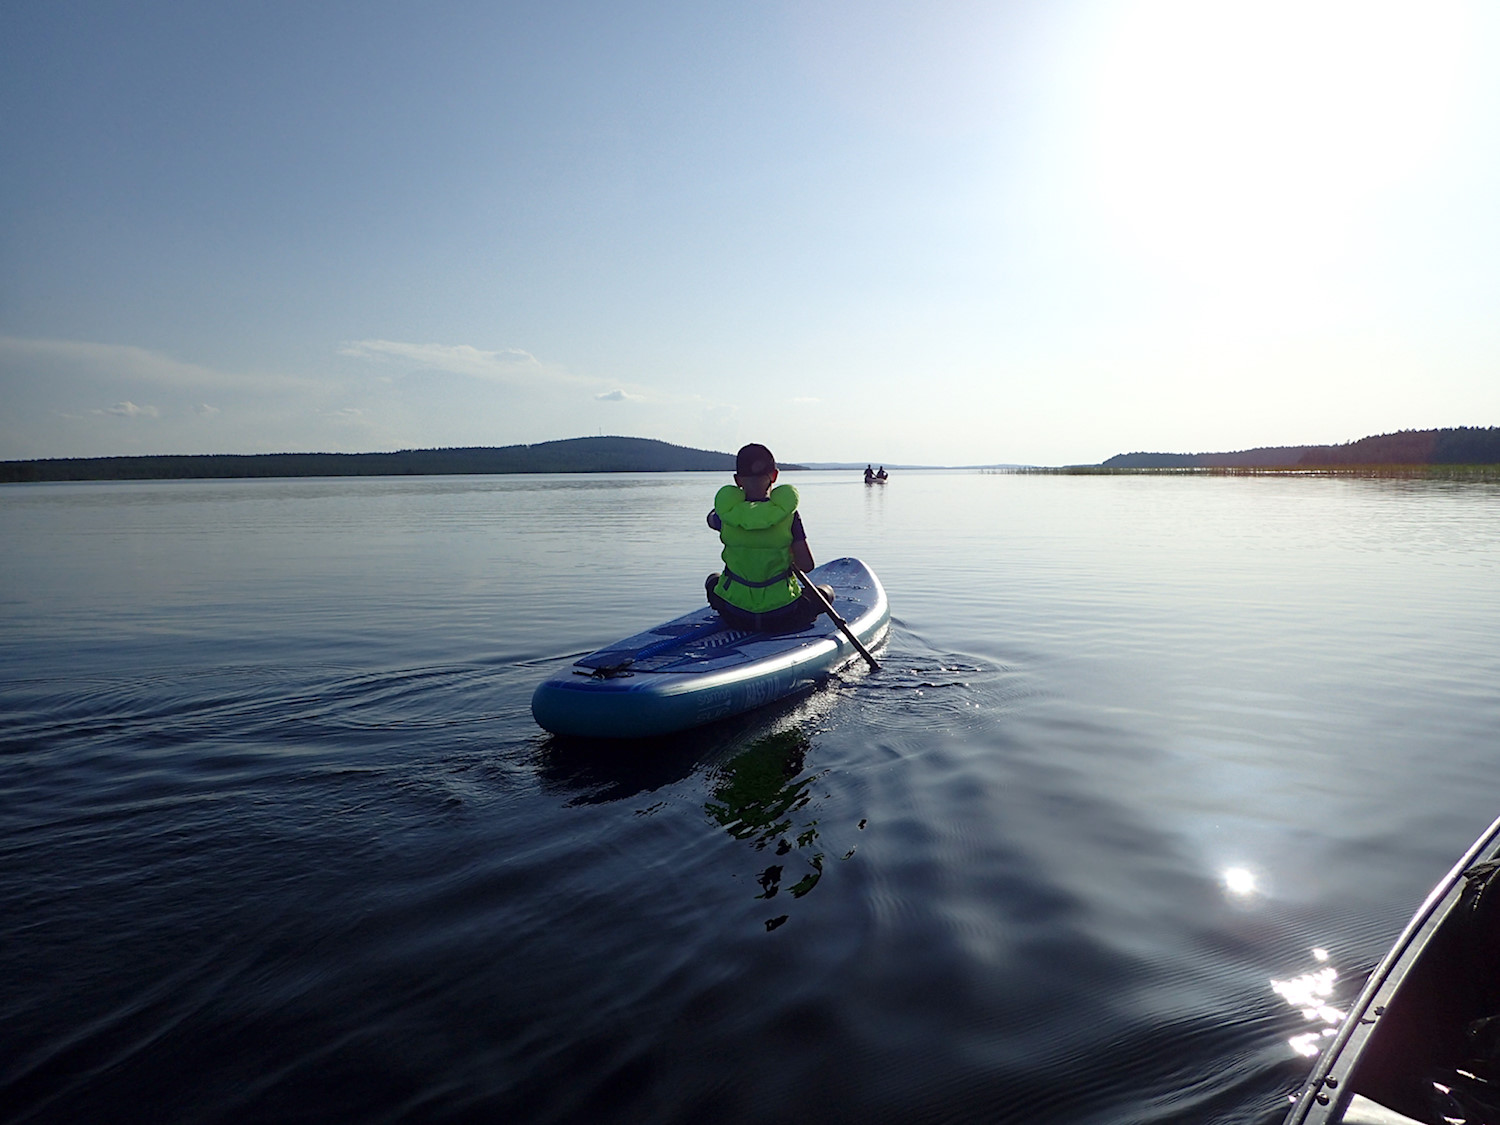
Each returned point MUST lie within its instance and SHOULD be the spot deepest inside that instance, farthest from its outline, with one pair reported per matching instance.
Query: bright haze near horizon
(967, 233)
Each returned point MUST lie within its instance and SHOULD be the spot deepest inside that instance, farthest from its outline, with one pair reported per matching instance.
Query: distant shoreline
(1459, 445)
(573, 455)
(1486, 472)
(1468, 452)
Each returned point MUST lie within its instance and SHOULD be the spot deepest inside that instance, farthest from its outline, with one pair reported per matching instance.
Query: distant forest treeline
(1464, 445)
(573, 455)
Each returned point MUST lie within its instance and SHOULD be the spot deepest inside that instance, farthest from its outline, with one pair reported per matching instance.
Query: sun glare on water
(1310, 993)
(1239, 881)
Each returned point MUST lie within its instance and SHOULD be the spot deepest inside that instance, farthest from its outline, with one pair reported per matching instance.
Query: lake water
(279, 840)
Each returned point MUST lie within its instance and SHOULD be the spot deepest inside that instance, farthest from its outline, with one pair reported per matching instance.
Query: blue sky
(1040, 232)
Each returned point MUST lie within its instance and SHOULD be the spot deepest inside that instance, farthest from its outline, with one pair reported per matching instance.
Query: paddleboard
(695, 669)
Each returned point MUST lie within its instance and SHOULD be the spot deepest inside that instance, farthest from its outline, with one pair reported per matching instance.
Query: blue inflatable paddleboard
(695, 669)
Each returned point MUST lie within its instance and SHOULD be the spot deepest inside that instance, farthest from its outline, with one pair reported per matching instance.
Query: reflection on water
(760, 788)
(1240, 881)
(760, 795)
(1310, 993)
(597, 771)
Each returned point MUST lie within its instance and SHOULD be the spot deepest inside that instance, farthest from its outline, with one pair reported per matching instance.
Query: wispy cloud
(127, 362)
(130, 410)
(508, 365)
(203, 410)
(458, 359)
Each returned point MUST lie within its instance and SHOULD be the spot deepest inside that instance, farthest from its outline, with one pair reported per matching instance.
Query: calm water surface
(279, 840)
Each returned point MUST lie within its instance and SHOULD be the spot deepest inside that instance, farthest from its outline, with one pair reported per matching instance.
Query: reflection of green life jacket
(757, 536)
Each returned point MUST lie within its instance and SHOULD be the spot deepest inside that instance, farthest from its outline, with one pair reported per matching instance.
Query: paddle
(837, 620)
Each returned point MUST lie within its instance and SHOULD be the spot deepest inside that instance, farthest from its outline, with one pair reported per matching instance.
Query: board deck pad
(701, 642)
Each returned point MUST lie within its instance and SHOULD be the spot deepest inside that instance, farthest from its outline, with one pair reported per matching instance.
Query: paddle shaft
(837, 620)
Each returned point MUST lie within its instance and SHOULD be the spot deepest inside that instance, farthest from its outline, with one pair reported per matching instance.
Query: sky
(1019, 231)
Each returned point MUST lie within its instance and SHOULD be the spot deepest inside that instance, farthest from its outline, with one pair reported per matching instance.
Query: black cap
(754, 460)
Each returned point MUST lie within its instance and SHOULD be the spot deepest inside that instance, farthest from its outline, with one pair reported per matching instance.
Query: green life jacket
(757, 537)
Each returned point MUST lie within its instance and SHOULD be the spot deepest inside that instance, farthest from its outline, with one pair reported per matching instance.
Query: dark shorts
(789, 618)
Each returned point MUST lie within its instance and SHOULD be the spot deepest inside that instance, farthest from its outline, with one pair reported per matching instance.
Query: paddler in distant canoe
(761, 529)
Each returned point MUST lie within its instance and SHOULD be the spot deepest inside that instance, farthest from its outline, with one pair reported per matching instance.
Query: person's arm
(714, 521)
(801, 554)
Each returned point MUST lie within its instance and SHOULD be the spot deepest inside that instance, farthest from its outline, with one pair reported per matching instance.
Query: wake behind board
(695, 669)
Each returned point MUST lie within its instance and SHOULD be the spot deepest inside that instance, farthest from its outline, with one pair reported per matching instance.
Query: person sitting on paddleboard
(761, 529)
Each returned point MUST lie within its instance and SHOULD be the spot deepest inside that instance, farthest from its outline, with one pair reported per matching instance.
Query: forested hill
(574, 455)
(1463, 445)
